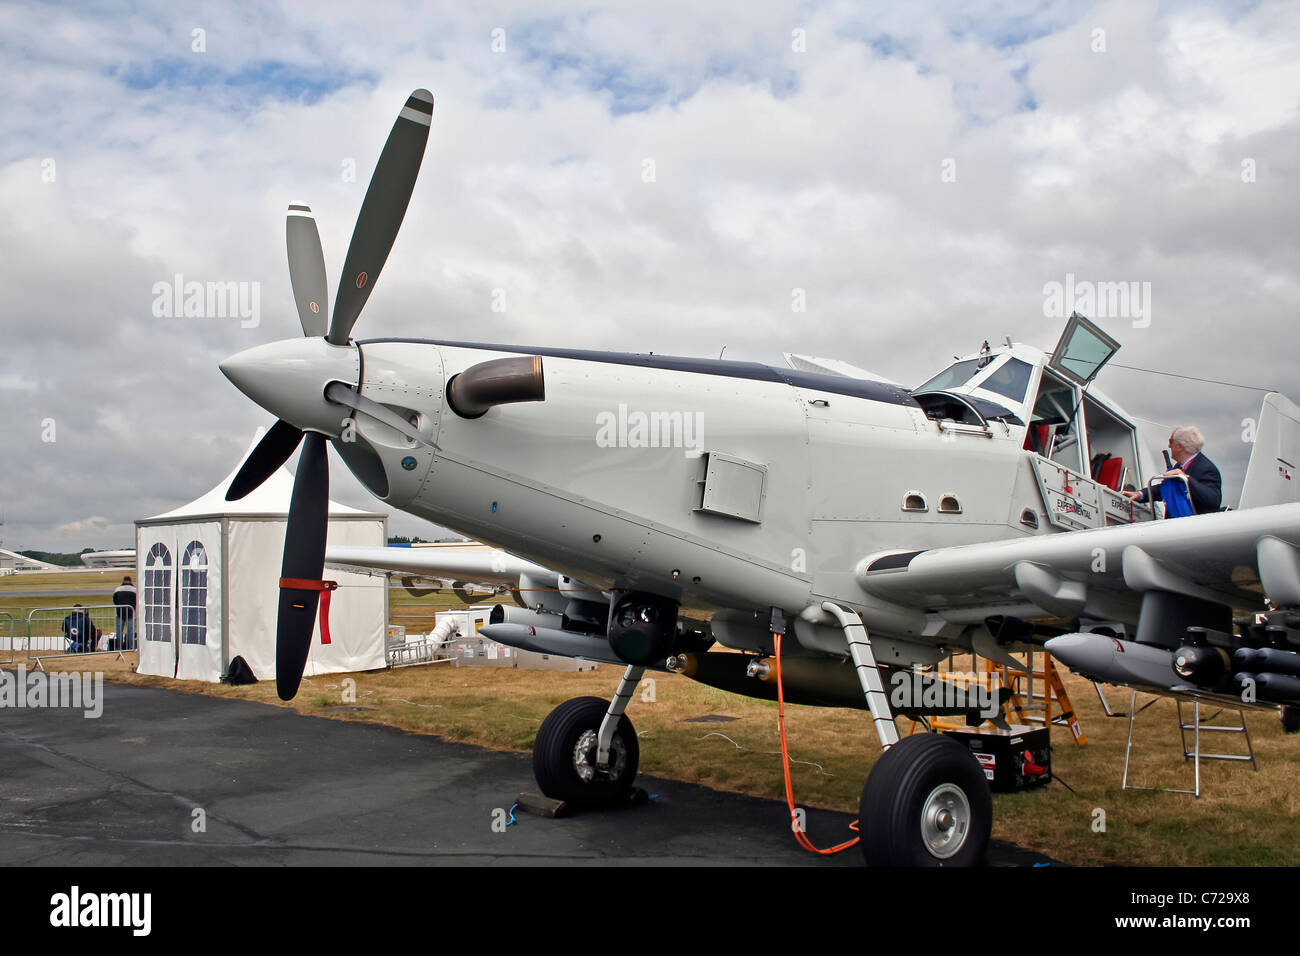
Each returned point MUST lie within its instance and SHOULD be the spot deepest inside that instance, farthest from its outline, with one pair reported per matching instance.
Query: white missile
(1104, 658)
(548, 640)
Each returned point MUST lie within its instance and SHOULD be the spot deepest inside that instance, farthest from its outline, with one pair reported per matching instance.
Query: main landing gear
(926, 802)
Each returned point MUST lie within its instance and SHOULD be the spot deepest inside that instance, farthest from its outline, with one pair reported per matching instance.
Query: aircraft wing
(493, 567)
(1230, 558)
(543, 595)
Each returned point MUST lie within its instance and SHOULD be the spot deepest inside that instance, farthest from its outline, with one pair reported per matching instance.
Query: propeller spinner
(298, 380)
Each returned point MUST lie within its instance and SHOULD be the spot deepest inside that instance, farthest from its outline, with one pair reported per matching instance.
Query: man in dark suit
(1204, 483)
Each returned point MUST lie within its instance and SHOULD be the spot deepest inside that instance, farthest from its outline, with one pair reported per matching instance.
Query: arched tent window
(158, 594)
(194, 594)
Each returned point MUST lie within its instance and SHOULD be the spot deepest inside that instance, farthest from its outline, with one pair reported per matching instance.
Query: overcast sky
(920, 175)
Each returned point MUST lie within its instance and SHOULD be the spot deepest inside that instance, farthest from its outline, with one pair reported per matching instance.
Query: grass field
(1243, 818)
(108, 578)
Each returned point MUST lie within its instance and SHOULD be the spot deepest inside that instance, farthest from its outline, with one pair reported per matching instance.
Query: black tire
(904, 798)
(1291, 719)
(565, 773)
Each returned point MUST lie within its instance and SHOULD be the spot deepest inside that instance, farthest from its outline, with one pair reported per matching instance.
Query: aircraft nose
(245, 370)
(288, 379)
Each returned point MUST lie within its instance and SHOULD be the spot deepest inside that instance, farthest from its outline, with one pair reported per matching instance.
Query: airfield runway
(273, 787)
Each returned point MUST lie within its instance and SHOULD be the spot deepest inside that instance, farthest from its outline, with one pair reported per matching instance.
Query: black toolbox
(1014, 759)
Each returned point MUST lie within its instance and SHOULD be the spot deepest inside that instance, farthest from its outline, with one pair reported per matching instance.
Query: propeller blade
(304, 558)
(381, 212)
(341, 394)
(306, 269)
(263, 461)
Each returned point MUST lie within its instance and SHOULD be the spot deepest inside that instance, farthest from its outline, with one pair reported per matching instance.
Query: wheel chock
(542, 806)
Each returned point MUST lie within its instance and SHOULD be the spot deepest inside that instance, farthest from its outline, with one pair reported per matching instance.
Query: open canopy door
(1082, 350)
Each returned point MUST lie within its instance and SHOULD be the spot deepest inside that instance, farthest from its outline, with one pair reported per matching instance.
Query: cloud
(94, 525)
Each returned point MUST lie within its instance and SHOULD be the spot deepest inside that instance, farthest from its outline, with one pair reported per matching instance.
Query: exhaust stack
(496, 382)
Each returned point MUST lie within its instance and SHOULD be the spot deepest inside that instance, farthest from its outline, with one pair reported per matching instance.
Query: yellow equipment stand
(1022, 705)
(1025, 703)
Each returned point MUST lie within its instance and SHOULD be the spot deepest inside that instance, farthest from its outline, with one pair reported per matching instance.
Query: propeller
(304, 559)
(265, 460)
(382, 211)
(306, 269)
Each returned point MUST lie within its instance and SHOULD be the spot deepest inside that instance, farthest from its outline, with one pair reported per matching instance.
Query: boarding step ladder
(1034, 692)
(1195, 754)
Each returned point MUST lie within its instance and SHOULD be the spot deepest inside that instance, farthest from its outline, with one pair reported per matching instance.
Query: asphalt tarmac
(165, 778)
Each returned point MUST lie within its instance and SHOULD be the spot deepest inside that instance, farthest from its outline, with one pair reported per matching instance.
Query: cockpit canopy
(1005, 375)
(1048, 395)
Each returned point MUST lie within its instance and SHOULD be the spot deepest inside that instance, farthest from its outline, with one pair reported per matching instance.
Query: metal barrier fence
(7, 634)
(67, 632)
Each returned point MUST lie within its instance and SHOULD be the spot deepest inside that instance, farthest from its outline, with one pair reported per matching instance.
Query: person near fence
(124, 599)
(79, 630)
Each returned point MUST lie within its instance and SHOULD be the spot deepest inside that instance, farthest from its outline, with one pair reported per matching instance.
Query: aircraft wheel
(1291, 719)
(926, 803)
(564, 755)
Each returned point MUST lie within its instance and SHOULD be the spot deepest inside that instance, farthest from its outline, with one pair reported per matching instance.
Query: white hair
(1190, 437)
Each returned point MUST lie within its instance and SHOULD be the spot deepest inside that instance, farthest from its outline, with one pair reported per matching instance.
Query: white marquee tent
(208, 575)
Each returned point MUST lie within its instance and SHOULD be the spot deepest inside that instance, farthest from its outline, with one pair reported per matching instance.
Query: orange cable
(785, 761)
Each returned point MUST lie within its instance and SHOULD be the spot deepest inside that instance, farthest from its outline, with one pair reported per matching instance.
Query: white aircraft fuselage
(728, 486)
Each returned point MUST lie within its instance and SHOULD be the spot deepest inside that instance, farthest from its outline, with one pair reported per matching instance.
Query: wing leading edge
(474, 567)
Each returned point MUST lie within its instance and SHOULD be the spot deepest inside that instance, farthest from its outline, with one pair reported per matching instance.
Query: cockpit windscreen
(951, 377)
(1011, 379)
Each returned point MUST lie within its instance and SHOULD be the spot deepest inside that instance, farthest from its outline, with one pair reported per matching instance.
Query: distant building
(109, 559)
(11, 561)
